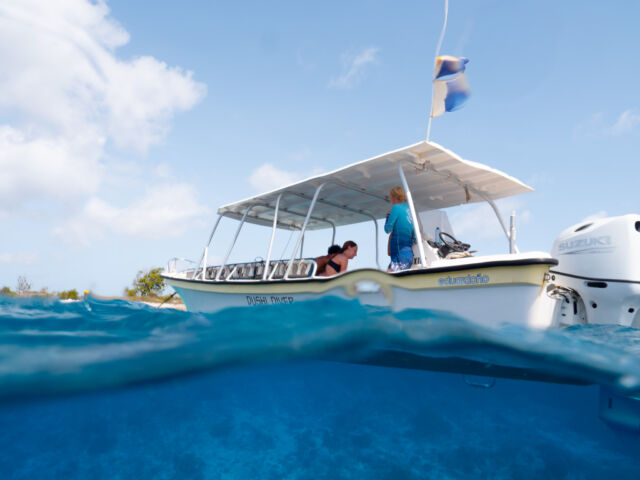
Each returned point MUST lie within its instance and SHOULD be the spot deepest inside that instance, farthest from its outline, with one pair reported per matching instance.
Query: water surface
(112, 389)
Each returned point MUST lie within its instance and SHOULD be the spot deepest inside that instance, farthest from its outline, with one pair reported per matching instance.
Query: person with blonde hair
(399, 226)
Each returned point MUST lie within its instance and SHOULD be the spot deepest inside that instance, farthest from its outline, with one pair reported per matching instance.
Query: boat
(487, 289)
(591, 276)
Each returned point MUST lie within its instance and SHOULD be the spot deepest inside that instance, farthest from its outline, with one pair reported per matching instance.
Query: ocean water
(113, 389)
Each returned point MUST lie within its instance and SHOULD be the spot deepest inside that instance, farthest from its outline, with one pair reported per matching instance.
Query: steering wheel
(452, 243)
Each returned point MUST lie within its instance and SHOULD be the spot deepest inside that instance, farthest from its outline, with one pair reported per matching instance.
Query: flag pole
(444, 27)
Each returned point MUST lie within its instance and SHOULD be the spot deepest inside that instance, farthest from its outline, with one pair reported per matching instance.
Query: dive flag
(447, 65)
(449, 94)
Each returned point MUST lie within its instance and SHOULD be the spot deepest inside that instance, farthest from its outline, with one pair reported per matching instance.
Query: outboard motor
(598, 275)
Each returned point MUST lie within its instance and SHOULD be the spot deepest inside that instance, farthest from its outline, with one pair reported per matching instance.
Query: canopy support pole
(304, 227)
(333, 235)
(204, 263)
(244, 216)
(513, 248)
(375, 222)
(206, 248)
(416, 225)
(512, 234)
(359, 212)
(273, 236)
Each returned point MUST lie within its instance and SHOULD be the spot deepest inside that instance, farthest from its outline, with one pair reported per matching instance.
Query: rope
(167, 299)
(285, 247)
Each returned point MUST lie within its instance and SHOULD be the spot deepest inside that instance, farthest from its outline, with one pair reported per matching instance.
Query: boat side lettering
(264, 300)
(256, 300)
(281, 299)
(464, 280)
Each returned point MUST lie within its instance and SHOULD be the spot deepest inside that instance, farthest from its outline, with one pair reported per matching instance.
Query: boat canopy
(437, 178)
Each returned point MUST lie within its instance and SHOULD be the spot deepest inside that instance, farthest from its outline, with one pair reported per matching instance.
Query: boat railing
(177, 264)
(254, 271)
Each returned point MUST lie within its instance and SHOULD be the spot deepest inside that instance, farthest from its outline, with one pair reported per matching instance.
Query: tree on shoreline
(69, 294)
(24, 289)
(7, 292)
(147, 284)
(23, 285)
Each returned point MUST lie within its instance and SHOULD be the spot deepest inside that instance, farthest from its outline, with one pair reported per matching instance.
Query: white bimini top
(437, 178)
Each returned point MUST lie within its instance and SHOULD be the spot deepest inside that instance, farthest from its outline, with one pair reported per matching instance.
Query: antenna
(444, 27)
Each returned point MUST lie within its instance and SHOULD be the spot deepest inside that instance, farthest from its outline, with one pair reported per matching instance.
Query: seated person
(340, 261)
(334, 249)
(322, 261)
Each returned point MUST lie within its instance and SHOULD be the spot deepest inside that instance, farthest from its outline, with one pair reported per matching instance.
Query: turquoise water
(112, 389)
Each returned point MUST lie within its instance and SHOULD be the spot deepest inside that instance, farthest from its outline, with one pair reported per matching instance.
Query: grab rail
(216, 273)
(173, 262)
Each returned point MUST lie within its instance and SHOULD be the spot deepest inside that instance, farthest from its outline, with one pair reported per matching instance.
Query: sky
(124, 125)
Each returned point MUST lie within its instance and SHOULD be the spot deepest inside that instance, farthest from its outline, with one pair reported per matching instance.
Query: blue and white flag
(452, 91)
(447, 65)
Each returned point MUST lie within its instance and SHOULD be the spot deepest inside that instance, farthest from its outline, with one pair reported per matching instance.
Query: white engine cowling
(599, 271)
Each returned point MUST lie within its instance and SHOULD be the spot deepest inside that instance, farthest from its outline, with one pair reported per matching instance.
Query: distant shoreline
(175, 302)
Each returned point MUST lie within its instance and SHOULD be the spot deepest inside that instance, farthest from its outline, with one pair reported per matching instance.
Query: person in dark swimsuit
(340, 262)
(333, 265)
(322, 261)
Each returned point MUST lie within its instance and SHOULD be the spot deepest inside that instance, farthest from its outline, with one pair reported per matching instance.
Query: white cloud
(67, 96)
(268, 177)
(164, 211)
(353, 67)
(627, 122)
(60, 68)
(163, 171)
(597, 126)
(37, 167)
(480, 221)
(27, 258)
(141, 96)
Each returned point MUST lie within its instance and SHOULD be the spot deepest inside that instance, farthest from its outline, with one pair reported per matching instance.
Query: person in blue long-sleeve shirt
(399, 225)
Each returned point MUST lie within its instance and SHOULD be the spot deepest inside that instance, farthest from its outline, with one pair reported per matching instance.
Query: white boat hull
(489, 293)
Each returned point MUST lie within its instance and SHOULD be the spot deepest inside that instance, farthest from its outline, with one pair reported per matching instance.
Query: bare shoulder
(342, 260)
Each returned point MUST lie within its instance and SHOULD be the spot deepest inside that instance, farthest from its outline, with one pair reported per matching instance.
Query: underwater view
(324, 389)
(297, 168)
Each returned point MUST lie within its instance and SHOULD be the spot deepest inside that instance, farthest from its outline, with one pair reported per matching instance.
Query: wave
(48, 347)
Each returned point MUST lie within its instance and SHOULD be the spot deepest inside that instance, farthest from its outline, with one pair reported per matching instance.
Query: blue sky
(124, 125)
